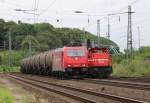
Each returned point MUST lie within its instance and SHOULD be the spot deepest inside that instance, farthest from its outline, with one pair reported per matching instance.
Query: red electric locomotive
(99, 62)
(70, 61)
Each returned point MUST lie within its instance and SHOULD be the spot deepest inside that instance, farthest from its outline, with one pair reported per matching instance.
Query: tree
(34, 42)
(19, 32)
(45, 34)
(2, 30)
(48, 41)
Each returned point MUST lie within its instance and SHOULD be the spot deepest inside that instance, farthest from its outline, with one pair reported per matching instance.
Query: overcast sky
(51, 10)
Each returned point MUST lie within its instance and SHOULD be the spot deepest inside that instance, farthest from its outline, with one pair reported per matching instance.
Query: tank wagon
(63, 62)
(99, 62)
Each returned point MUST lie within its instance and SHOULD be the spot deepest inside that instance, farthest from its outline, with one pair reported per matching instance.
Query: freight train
(70, 62)
(63, 62)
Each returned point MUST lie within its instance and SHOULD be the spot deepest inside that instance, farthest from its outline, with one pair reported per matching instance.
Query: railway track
(83, 95)
(119, 83)
(144, 79)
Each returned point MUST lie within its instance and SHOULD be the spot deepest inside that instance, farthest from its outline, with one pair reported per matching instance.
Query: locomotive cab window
(75, 53)
(97, 51)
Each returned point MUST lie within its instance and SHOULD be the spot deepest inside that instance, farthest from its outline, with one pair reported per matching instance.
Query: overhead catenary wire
(124, 12)
(12, 4)
(117, 11)
(49, 6)
(86, 14)
(135, 23)
(126, 6)
(35, 8)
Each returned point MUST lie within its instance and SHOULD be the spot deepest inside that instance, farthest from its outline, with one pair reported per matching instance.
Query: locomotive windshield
(98, 51)
(75, 53)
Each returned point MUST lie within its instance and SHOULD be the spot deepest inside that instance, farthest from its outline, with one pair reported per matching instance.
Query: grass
(132, 70)
(138, 66)
(16, 57)
(6, 96)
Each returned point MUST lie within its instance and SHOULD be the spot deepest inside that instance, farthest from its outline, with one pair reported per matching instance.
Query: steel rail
(118, 83)
(86, 100)
(104, 95)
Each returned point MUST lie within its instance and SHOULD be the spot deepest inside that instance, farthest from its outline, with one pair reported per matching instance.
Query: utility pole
(84, 31)
(34, 14)
(30, 46)
(98, 32)
(84, 37)
(35, 9)
(4, 45)
(108, 36)
(129, 34)
(29, 36)
(139, 36)
(10, 50)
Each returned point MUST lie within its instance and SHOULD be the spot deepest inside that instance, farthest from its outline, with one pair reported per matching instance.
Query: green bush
(137, 66)
(16, 57)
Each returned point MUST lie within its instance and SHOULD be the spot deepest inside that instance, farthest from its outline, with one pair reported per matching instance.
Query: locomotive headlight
(69, 65)
(83, 65)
